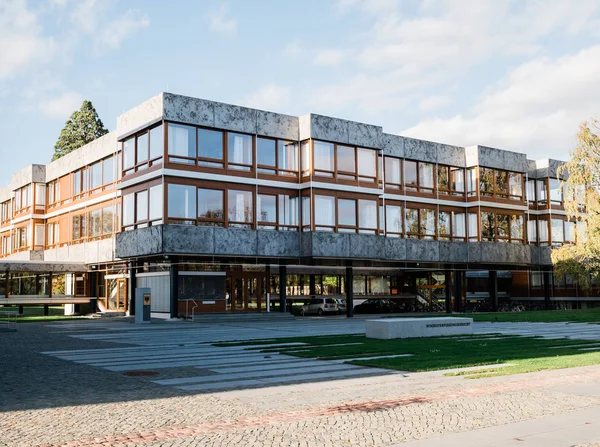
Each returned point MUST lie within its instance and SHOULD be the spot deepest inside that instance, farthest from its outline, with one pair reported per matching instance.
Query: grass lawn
(33, 314)
(548, 316)
(525, 354)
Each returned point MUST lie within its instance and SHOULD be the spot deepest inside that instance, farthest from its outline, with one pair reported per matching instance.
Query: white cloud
(115, 32)
(21, 40)
(434, 103)
(368, 6)
(536, 109)
(270, 97)
(87, 15)
(220, 21)
(292, 49)
(62, 106)
(328, 57)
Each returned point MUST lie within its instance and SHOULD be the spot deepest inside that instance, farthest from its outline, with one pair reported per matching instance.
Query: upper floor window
(5, 212)
(345, 215)
(239, 151)
(210, 148)
(143, 150)
(419, 176)
(143, 208)
(22, 199)
(392, 173)
(101, 174)
(500, 227)
(80, 183)
(500, 184)
(542, 192)
(450, 180)
(556, 191)
(278, 211)
(343, 162)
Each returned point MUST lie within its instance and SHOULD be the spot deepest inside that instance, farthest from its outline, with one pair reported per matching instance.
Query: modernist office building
(221, 208)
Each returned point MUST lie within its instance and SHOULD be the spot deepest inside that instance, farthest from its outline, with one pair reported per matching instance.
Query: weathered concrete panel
(364, 246)
(474, 252)
(189, 110)
(141, 116)
(30, 174)
(235, 118)
(5, 193)
(330, 245)
(99, 148)
(426, 251)
(392, 145)
(235, 241)
(454, 251)
(280, 244)
(188, 239)
(276, 125)
(365, 135)
(451, 155)
(328, 128)
(142, 242)
(420, 150)
(98, 251)
(541, 255)
(490, 157)
(394, 249)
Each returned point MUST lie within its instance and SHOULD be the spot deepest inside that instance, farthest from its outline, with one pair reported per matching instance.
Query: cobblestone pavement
(47, 400)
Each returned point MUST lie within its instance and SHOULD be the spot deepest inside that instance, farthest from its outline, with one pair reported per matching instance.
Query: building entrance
(246, 292)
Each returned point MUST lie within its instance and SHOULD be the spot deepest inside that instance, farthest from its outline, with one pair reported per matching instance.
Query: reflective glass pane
(265, 152)
(182, 201)
(182, 141)
(347, 212)
(156, 142)
(267, 208)
(210, 203)
(240, 206)
(210, 144)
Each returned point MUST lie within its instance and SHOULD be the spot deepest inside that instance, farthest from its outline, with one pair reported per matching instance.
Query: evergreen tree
(83, 127)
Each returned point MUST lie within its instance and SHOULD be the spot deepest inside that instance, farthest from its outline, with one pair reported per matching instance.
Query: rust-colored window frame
(399, 204)
(277, 192)
(339, 176)
(134, 191)
(412, 188)
(30, 193)
(452, 212)
(419, 207)
(6, 212)
(496, 192)
(450, 192)
(342, 195)
(497, 237)
(148, 162)
(275, 170)
(393, 187)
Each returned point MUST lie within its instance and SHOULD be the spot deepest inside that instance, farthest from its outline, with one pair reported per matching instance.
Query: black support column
(312, 285)
(174, 289)
(93, 291)
(547, 275)
(282, 288)
(458, 301)
(448, 289)
(349, 293)
(46, 310)
(132, 287)
(493, 288)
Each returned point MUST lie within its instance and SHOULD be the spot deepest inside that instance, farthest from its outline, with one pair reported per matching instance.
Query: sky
(518, 75)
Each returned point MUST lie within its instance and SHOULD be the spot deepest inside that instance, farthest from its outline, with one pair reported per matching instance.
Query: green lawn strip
(37, 319)
(539, 316)
(315, 340)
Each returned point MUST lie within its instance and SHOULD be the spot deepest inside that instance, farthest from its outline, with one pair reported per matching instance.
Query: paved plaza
(99, 383)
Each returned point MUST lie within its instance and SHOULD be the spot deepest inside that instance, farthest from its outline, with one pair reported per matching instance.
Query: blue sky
(519, 75)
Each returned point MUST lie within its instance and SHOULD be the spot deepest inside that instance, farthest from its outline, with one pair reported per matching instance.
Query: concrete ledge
(390, 328)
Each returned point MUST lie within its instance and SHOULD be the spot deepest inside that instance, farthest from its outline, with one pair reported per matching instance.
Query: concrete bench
(388, 328)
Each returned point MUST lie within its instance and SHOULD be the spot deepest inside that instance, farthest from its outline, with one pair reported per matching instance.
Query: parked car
(342, 308)
(319, 306)
(374, 306)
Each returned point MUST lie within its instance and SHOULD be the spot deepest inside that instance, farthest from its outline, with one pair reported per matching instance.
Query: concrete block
(329, 129)
(279, 244)
(454, 251)
(141, 116)
(235, 241)
(420, 150)
(394, 249)
(422, 250)
(392, 145)
(141, 242)
(235, 118)
(276, 125)
(365, 135)
(391, 328)
(329, 245)
(365, 246)
(451, 155)
(189, 110)
(188, 239)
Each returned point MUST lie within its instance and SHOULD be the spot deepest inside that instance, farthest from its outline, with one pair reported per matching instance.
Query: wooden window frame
(277, 193)
(496, 193)
(450, 192)
(210, 221)
(146, 222)
(496, 237)
(339, 176)
(400, 205)
(341, 195)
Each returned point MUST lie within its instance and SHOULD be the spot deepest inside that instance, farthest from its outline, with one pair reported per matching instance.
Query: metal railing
(8, 320)
(187, 312)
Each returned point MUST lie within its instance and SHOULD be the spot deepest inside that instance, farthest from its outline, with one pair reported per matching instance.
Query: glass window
(128, 209)
(96, 175)
(443, 179)
(95, 223)
(324, 157)
(288, 210)
(501, 183)
(411, 221)
(392, 172)
(426, 175)
(326, 215)
(210, 145)
(459, 225)
(128, 153)
(427, 223)
(346, 214)
(555, 191)
(473, 227)
(142, 148)
(557, 231)
(288, 155)
(239, 151)
(76, 185)
(40, 194)
(306, 212)
(543, 231)
(305, 158)
(570, 232)
(141, 199)
(410, 175)
(457, 178)
(265, 152)
(502, 225)
(516, 228)
(444, 225)
(367, 164)
(472, 181)
(487, 227)
(531, 190)
(107, 220)
(532, 231)
(181, 201)
(367, 216)
(182, 142)
(541, 191)
(240, 206)
(486, 181)
(157, 142)
(108, 171)
(346, 161)
(210, 204)
(267, 208)
(516, 185)
(393, 219)
(156, 203)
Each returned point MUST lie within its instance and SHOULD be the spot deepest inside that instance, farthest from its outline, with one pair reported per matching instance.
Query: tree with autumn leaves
(581, 176)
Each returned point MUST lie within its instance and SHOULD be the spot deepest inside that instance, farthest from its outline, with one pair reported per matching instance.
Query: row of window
(88, 226)
(550, 190)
